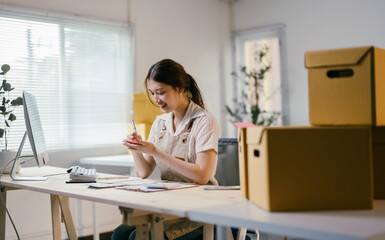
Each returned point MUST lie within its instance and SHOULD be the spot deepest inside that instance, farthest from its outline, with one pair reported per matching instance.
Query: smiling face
(168, 98)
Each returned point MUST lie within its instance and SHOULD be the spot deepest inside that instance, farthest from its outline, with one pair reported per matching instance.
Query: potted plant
(247, 106)
(7, 106)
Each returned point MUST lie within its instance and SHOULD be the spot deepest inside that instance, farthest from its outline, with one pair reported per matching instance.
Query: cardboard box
(306, 168)
(378, 134)
(144, 110)
(347, 86)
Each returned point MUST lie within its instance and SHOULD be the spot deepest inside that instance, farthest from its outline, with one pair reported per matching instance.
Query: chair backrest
(227, 172)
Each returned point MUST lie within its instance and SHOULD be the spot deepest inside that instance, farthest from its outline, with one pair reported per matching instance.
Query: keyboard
(78, 173)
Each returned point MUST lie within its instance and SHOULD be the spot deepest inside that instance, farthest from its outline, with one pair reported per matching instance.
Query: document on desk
(111, 183)
(156, 187)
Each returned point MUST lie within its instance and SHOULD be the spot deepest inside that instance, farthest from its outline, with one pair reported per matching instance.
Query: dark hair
(169, 72)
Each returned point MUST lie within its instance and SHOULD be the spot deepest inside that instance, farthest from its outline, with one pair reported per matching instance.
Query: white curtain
(80, 72)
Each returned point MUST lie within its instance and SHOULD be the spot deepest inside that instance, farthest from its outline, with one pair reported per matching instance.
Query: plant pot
(6, 156)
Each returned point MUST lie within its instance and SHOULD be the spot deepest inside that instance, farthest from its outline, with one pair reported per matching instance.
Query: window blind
(79, 71)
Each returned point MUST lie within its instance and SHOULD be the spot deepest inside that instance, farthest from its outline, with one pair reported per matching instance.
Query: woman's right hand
(132, 140)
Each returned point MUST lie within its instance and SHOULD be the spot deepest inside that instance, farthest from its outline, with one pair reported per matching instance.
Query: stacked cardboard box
(347, 87)
(327, 165)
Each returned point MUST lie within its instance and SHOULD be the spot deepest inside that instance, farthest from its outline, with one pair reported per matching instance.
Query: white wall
(313, 25)
(195, 33)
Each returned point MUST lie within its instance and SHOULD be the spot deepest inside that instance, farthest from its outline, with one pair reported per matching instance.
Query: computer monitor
(227, 173)
(35, 136)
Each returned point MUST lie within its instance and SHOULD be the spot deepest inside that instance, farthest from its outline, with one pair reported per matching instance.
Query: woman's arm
(200, 172)
(144, 164)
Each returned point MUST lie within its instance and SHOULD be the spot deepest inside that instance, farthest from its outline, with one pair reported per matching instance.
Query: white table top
(354, 224)
(173, 202)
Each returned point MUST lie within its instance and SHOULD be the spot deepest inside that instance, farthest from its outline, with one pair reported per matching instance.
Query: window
(79, 71)
(248, 45)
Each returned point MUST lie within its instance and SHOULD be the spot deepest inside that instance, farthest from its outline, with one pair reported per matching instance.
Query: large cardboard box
(306, 168)
(144, 110)
(378, 134)
(346, 86)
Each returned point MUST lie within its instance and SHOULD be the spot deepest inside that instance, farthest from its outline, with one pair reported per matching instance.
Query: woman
(183, 142)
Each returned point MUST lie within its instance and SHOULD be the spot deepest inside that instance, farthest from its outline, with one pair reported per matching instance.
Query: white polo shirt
(204, 132)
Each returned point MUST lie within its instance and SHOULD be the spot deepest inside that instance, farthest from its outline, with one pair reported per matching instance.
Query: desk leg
(63, 203)
(208, 231)
(142, 232)
(69, 223)
(55, 213)
(241, 234)
(3, 214)
(157, 227)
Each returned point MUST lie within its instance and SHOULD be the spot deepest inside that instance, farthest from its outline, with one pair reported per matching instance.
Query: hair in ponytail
(169, 72)
(193, 91)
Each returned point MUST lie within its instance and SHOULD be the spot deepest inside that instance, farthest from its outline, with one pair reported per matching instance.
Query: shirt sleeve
(207, 134)
(154, 132)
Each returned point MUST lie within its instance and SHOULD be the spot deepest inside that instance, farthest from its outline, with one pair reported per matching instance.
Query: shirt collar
(193, 111)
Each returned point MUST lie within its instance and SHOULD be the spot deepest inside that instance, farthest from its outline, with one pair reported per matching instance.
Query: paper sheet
(156, 187)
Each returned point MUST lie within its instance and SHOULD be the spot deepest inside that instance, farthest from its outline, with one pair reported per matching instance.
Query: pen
(133, 126)
(80, 181)
(110, 178)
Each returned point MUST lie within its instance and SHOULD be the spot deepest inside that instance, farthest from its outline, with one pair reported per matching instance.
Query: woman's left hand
(143, 147)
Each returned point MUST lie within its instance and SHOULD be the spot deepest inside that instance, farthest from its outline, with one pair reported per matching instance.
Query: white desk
(174, 202)
(338, 225)
(117, 164)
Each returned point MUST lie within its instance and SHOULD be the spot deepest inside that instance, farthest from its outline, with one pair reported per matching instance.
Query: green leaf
(1, 132)
(7, 87)
(17, 102)
(3, 101)
(6, 123)
(12, 117)
(5, 68)
(3, 109)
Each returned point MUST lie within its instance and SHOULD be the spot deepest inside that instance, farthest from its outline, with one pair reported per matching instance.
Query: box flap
(254, 134)
(335, 57)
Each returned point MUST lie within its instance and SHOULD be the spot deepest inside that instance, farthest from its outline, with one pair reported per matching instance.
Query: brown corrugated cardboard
(242, 151)
(308, 168)
(378, 162)
(346, 86)
(144, 110)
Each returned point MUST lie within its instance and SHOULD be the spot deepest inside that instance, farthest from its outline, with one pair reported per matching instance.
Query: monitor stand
(13, 174)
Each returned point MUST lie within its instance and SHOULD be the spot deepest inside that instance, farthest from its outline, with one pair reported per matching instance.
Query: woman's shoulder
(199, 112)
(206, 118)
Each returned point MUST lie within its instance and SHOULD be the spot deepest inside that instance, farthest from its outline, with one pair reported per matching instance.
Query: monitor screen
(34, 129)
(35, 137)
(227, 173)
